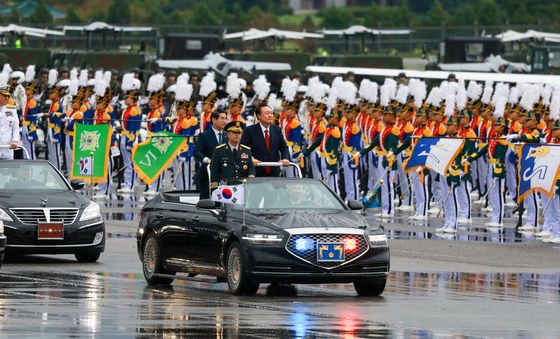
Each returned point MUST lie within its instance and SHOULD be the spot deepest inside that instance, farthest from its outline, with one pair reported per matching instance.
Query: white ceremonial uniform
(9, 130)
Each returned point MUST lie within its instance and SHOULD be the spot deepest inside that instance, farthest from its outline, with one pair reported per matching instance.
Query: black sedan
(286, 231)
(43, 214)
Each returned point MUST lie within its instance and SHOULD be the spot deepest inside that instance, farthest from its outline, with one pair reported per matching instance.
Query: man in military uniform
(231, 160)
(9, 125)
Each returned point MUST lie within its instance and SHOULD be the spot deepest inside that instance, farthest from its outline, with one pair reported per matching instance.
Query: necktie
(267, 142)
(221, 138)
(235, 153)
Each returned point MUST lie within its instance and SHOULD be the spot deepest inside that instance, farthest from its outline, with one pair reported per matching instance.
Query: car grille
(32, 216)
(310, 256)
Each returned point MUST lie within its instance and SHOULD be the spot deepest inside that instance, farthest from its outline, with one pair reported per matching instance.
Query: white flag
(436, 154)
(538, 170)
(230, 194)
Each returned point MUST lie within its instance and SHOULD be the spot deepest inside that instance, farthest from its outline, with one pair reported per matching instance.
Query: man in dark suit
(266, 142)
(205, 146)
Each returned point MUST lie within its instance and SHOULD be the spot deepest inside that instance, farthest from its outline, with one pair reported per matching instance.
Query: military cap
(6, 90)
(235, 126)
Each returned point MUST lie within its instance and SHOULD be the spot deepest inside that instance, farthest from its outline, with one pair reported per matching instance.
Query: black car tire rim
(150, 256)
(234, 267)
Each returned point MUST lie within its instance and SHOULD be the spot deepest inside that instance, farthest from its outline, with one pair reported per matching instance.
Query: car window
(289, 194)
(30, 176)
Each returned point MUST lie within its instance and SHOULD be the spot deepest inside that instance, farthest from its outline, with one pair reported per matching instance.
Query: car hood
(310, 218)
(69, 199)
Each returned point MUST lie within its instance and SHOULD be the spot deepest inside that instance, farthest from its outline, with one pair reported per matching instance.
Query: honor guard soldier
(291, 126)
(104, 97)
(29, 119)
(464, 194)
(18, 91)
(130, 128)
(55, 115)
(73, 115)
(209, 96)
(9, 125)
(496, 150)
(420, 179)
(231, 160)
(328, 144)
(156, 119)
(236, 97)
(184, 124)
(552, 234)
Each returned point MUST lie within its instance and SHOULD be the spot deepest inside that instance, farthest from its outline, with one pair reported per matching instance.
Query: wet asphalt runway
(475, 284)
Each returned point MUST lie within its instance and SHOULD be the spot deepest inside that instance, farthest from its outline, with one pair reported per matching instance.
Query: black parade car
(43, 214)
(284, 231)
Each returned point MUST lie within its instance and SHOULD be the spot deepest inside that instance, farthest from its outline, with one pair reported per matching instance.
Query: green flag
(154, 156)
(91, 152)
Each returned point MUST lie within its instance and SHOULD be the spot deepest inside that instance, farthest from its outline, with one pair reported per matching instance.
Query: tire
(238, 281)
(370, 288)
(87, 257)
(151, 262)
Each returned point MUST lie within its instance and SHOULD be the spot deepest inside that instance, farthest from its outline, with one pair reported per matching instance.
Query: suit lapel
(215, 141)
(261, 136)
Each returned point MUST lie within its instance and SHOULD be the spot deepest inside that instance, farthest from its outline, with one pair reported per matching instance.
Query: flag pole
(244, 201)
(91, 176)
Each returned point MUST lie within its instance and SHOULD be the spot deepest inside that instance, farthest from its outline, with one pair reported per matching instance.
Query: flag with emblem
(234, 194)
(538, 169)
(436, 154)
(156, 154)
(91, 152)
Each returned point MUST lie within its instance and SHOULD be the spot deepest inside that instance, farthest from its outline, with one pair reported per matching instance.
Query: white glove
(30, 138)
(543, 141)
(206, 161)
(356, 155)
(390, 154)
(510, 137)
(153, 120)
(464, 161)
(39, 115)
(419, 169)
(144, 125)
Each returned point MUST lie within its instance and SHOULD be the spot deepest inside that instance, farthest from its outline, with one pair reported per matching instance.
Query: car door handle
(159, 215)
(195, 219)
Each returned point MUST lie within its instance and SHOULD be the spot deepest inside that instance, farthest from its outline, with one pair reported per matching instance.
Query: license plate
(330, 252)
(50, 231)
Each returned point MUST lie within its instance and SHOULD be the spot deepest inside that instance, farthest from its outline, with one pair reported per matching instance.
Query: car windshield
(30, 176)
(289, 194)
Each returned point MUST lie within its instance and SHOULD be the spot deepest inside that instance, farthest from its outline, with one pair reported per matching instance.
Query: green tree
(489, 13)
(119, 12)
(98, 16)
(41, 14)
(437, 15)
(72, 16)
(203, 16)
(336, 18)
(15, 16)
(464, 15)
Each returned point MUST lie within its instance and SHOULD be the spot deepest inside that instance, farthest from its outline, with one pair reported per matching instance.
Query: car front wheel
(87, 257)
(238, 281)
(370, 288)
(151, 262)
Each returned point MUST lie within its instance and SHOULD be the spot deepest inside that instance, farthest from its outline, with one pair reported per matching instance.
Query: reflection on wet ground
(109, 304)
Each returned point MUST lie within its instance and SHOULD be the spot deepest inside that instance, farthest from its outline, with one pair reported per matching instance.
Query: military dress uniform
(229, 162)
(292, 131)
(464, 192)
(403, 178)
(185, 125)
(72, 117)
(29, 122)
(351, 143)
(131, 121)
(156, 123)
(328, 144)
(9, 128)
(54, 133)
(496, 150)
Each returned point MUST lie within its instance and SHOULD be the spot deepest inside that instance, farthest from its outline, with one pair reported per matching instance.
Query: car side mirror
(77, 184)
(206, 204)
(355, 205)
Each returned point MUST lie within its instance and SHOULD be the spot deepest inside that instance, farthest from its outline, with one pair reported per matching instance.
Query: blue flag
(436, 154)
(538, 169)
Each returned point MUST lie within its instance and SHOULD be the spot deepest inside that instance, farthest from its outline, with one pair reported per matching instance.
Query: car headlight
(255, 238)
(91, 212)
(377, 240)
(1, 227)
(5, 216)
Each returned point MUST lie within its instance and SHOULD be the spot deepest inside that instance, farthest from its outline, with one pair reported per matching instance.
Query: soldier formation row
(363, 133)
